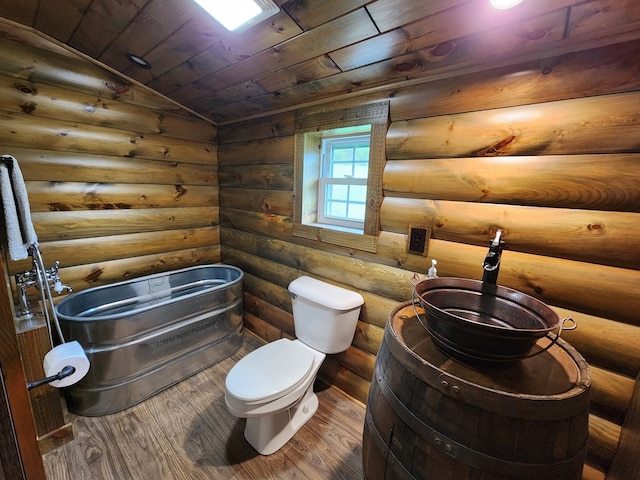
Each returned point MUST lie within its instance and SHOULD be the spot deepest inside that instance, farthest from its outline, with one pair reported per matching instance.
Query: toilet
(272, 387)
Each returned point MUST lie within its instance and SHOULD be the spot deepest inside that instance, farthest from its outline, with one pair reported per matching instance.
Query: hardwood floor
(186, 432)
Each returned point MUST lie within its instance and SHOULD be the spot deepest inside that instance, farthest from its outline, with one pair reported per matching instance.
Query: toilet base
(267, 434)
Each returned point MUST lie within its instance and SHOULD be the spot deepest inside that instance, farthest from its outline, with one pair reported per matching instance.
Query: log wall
(539, 150)
(121, 181)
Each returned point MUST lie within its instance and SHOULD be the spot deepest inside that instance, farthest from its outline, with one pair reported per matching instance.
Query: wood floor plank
(187, 433)
(187, 442)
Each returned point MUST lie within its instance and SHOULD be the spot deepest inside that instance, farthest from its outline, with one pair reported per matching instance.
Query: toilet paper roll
(70, 353)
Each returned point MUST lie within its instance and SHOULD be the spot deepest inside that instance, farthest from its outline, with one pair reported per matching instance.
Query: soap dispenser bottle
(433, 271)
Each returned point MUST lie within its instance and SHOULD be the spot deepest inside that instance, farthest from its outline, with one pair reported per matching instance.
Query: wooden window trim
(307, 155)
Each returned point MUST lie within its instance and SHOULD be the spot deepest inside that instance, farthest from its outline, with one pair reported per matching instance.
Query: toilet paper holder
(64, 373)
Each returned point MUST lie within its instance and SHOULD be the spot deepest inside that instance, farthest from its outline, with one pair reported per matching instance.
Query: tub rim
(98, 318)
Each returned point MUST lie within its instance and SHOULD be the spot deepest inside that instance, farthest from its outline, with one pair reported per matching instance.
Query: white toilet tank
(324, 315)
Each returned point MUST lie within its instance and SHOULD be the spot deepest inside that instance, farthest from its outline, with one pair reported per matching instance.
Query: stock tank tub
(145, 334)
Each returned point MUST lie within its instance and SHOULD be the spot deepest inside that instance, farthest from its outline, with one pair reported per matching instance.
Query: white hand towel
(17, 213)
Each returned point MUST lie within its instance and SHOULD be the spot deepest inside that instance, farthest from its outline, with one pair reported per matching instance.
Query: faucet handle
(496, 242)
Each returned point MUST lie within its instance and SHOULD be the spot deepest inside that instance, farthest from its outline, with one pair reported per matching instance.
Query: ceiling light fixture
(504, 4)
(138, 61)
(238, 15)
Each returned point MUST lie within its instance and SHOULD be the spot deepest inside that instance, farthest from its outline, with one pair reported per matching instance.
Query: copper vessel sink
(481, 322)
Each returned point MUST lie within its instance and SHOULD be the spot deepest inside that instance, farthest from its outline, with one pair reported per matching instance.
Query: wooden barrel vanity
(430, 416)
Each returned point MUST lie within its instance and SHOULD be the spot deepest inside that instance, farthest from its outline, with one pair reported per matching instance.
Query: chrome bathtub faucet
(29, 278)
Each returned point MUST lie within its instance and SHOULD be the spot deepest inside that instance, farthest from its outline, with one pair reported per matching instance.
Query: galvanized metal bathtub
(146, 334)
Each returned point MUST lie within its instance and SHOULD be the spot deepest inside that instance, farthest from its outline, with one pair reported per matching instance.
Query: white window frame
(325, 179)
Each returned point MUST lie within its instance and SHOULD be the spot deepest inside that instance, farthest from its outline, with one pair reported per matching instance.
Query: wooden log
(262, 329)
(608, 238)
(597, 337)
(264, 270)
(602, 443)
(553, 128)
(256, 286)
(82, 251)
(598, 71)
(349, 382)
(567, 181)
(270, 224)
(453, 261)
(257, 152)
(610, 394)
(43, 66)
(388, 282)
(572, 285)
(279, 202)
(48, 165)
(374, 313)
(21, 131)
(368, 337)
(360, 362)
(49, 101)
(65, 196)
(103, 273)
(280, 319)
(280, 226)
(269, 177)
(278, 125)
(53, 226)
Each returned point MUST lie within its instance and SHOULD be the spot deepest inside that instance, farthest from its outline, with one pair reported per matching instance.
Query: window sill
(355, 231)
(342, 236)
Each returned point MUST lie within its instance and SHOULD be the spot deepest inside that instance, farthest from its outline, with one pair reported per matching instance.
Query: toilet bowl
(279, 398)
(272, 387)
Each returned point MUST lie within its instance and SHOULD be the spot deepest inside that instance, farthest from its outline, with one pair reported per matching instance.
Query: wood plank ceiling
(315, 50)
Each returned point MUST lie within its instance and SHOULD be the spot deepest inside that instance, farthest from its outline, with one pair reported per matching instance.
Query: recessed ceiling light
(504, 4)
(238, 15)
(138, 61)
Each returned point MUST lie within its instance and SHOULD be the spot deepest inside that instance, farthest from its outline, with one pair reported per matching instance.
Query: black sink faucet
(491, 265)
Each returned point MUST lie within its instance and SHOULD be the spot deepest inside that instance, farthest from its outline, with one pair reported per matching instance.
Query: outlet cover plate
(418, 239)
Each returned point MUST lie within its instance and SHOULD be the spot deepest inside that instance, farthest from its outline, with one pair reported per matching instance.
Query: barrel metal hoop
(375, 435)
(472, 457)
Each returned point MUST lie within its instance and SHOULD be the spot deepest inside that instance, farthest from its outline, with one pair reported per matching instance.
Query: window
(342, 186)
(338, 176)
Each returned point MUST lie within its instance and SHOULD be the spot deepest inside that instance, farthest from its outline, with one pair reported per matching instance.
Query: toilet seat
(269, 372)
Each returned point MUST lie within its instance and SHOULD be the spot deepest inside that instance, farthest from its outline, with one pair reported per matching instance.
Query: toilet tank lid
(330, 296)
